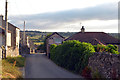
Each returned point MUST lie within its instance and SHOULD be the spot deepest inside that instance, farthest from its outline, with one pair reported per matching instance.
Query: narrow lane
(39, 66)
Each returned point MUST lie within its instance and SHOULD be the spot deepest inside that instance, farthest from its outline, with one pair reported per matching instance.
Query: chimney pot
(82, 29)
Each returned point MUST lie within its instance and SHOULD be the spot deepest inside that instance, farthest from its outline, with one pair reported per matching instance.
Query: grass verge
(10, 67)
(17, 61)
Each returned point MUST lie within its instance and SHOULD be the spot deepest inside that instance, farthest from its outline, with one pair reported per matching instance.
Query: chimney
(82, 29)
(1, 20)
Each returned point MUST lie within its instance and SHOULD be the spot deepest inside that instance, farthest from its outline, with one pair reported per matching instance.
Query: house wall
(17, 37)
(0, 39)
(52, 41)
(1, 19)
(11, 28)
(13, 35)
(2, 36)
(12, 38)
(3, 39)
(12, 52)
(1, 30)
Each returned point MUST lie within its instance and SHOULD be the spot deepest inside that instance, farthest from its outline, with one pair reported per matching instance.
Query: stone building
(54, 38)
(13, 37)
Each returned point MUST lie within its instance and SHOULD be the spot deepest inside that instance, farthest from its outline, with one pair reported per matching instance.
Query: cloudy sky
(63, 15)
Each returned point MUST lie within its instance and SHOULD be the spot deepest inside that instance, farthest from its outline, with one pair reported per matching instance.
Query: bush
(40, 47)
(108, 48)
(52, 48)
(72, 55)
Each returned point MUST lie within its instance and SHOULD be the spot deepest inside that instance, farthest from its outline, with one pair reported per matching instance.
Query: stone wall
(108, 65)
(12, 52)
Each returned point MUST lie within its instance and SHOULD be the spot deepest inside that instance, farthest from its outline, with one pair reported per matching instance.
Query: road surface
(39, 66)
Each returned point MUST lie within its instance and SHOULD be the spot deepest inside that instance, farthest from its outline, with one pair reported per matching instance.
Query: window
(57, 40)
(8, 39)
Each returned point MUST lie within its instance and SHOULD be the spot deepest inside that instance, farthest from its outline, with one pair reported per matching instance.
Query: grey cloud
(54, 19)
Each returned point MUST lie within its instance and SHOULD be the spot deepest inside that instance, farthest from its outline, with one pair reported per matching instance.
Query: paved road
(39, 66)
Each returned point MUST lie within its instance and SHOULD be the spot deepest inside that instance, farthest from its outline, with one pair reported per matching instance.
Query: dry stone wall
(108, 65)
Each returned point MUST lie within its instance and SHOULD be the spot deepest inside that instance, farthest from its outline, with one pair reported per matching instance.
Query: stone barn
(54, 38)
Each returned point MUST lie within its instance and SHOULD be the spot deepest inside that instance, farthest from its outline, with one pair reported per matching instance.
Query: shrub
(52, 48)
(40, 47)
(72, 55)
(112, 49)
(108, 48)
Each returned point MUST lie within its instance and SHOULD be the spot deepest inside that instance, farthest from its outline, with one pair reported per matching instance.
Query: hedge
(72, 55)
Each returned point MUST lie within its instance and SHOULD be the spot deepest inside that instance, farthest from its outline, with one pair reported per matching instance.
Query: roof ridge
(55, 33)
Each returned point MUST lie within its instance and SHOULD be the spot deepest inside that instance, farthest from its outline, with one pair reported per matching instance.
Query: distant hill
(38, 37)
(37, 33)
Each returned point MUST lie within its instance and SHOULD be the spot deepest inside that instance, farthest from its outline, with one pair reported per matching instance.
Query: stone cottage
(54, 38)
(13, 37)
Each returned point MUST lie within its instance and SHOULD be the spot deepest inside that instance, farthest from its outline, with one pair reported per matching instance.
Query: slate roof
(12, 25)
(94, 38)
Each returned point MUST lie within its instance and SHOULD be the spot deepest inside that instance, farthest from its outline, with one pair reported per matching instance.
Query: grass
(10, 67)
(19, 60)
(10, 71)
(38, 43)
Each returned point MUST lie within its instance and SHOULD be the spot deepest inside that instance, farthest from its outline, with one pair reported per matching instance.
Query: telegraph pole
(6, 26)
(24, 34)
